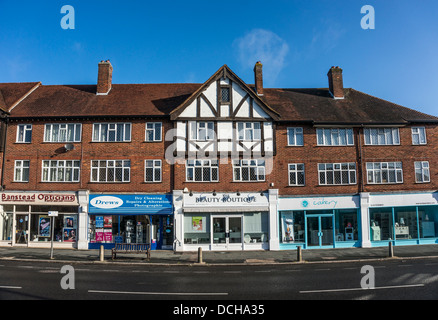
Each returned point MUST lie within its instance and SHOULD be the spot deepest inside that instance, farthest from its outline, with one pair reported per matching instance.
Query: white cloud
(265, 46)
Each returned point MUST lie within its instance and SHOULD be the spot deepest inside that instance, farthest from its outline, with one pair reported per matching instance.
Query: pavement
(170, 258)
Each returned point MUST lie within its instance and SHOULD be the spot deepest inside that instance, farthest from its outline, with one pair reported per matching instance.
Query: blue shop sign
(131, 204)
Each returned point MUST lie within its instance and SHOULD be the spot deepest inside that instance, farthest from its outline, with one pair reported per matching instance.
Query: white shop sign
(401, 200)
(39, 198)
(209, 201)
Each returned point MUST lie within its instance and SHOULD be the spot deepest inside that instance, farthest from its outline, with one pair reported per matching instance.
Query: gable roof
(225, 72)
(12, 93)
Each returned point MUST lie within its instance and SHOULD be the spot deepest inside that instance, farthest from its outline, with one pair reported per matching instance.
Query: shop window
(428, 222)
(405, 223)
(381, 222)
(65, 227)
(346, 225)
(255, 227)
(6, 224)
(197, 228)
(292, 227)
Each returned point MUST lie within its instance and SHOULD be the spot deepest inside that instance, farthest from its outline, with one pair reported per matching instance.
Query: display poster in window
(44, 226)
(99, 221)
(108, 235)
(198, 224)
(69, 235)
(99, 235)
(108, 221)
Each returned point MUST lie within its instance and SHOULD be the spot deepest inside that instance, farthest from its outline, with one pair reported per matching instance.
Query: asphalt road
(393, 279)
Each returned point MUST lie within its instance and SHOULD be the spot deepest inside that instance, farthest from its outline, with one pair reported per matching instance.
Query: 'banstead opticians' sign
(38, 198)
(225, 199)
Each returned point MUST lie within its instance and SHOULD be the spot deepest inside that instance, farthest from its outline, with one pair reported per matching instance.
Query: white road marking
(360, 289)
(10, 287)
(162, 293)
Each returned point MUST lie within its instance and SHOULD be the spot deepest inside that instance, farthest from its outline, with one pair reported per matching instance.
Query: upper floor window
(249, 131)
(202, 170)
(24, 133)
(152, 171)
(21, 171)
(335, 137)
(203, 131)
(384, 172)
(62, 132)
(225, 95)
(153, 131)
(295, 137)
(296, 174)
(419, 135)
(61, 170)
(249, 170)
(110, 170)
(382, 136)
(337, 173)
(422, 172)
(111, 132)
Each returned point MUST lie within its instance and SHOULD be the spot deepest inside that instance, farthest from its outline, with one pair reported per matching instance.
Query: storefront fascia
(227, 221)
(130, 218)
(403, 219)
(25, 220)
(319, 222)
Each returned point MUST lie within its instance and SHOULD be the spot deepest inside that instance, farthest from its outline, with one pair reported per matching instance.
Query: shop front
(319, 222)
(131, 218)
(224, 221)
(25, 221)
(403, 219)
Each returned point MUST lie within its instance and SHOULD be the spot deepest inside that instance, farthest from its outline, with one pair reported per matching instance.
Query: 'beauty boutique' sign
(226, 199)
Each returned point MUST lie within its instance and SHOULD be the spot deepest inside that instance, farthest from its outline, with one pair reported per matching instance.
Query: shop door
(21, 228)
(226, 233)
(320, 231)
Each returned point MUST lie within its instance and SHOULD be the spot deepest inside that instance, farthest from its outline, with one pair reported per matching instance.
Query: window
(335, 137)
(111, 132)
(382, 136)
(152, 171)
(61, 171)
(295, 137)
(21, 171)
(422, 173)
(419, 136)
(296, 174)
(153, 131)
(24, 133)
(110, 170)
(225, 95)
(384, 172)
(62, 132)
(249, 131)
(249, 170)
(203, 131)
(202, 170)
(337, 173)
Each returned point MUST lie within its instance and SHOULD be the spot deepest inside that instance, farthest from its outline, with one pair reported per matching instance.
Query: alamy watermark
(68, 20)
(369, 19)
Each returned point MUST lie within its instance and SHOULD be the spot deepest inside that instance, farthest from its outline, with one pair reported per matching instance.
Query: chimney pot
(258, 77)
(336, 83)
(104, 77)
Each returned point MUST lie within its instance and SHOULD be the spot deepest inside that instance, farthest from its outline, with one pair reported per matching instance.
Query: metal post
(391, 250)
(53, 231)
(102, 254)
(299, 254)
(200, 255)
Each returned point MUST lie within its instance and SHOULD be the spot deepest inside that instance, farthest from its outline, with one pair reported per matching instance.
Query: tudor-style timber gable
(225, 116)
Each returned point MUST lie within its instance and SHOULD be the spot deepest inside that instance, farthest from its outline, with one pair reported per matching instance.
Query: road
(394, 279)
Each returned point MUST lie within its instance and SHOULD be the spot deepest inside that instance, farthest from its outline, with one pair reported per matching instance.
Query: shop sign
(38, 198)
(318, 203)
(226, 199)
(131, 203)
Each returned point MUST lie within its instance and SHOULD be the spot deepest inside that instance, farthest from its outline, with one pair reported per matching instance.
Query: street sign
(53, 213)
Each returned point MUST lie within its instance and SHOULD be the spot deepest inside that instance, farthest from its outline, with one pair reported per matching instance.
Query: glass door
(226, 233)
(319, 231)
(21, 228)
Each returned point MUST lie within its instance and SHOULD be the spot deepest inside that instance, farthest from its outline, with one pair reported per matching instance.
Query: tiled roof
(11, 93)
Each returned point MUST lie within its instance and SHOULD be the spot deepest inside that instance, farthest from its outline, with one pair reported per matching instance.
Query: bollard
(299, 254)
(102, 254)
(200, 255)
(391, 250)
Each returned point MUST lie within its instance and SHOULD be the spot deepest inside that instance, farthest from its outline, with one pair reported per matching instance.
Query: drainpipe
(4, 153)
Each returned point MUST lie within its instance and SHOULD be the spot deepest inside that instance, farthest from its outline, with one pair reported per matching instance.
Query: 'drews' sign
(130, 204)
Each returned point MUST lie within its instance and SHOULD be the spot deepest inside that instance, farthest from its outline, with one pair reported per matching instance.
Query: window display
(292, 227)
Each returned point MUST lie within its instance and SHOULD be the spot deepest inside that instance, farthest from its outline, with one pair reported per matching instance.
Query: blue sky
(187, 41)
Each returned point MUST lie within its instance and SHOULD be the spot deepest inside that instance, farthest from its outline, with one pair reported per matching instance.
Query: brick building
(221, 165)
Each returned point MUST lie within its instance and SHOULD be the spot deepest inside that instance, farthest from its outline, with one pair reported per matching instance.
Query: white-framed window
(62, 132)
(249, 131)
(422, 171)
(61, 170)
(337, 173)
(295, 137)
(153, 131)
(203, 131)
(21, 171)
(202, 170)
(249, 170)
(419, 135)
(152, 170)
(384, 172)
(110, 170)
(382, 136)
(111, 132)
(24, 133)
(335, 137)
(296, 174)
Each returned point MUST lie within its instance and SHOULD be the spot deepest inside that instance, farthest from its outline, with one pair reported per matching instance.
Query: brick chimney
(336, 84)
(104, 77)
(258, 78)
